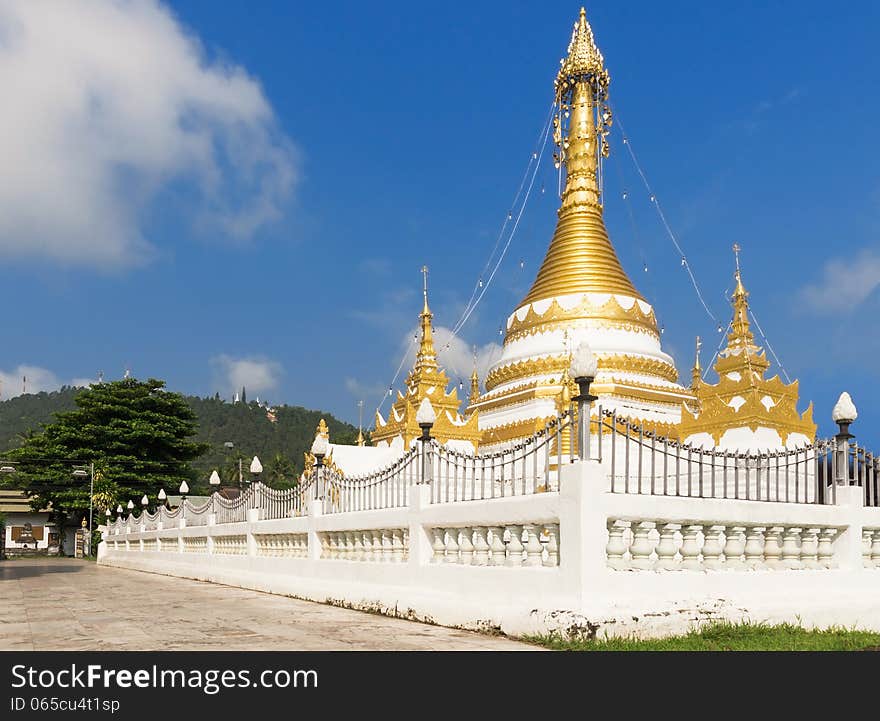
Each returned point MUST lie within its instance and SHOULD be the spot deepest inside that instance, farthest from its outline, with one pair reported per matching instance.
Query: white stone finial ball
(426, 415)
(145, 501)
(184, 488)
(256, 466)
(583, 363)
(320, 446)
(214, 480)
(130, 505)
(161, 495)
(844, 410)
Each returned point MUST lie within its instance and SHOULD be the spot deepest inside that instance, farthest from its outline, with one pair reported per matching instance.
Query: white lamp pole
(584, 367)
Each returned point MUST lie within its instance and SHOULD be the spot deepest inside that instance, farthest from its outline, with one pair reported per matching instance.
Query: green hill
(246, 425)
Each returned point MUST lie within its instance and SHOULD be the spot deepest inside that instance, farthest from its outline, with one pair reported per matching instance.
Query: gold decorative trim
(611, 313)
(608, 364)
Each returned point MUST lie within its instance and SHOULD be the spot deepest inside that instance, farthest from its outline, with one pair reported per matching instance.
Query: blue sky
(216, 192)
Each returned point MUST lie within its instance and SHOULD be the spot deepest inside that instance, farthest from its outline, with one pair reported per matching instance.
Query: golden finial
(475, 382)
(323, 430)
(584, 58)
(697, 370)
(426, 344)
(360, 438)
(740, 289)
(425, 288)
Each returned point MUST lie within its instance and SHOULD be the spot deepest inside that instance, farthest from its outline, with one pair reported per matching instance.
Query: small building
(27, 531)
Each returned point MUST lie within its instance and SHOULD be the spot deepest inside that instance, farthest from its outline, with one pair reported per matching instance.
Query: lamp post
(184, 489)
(844, 414)
(425, 417)
(256, 470)
(584, 367)
(82, 473)
(118, 511)
(144, 503)
(320, 446)
(162, 497)
(130, 507)
(214, 481)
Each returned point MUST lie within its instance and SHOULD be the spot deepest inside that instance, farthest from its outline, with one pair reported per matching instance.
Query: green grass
(729, 637)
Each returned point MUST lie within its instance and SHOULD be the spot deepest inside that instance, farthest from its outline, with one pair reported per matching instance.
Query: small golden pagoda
(745, 409)
(426, 380)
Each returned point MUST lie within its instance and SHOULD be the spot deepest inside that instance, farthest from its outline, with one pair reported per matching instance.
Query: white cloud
(255, 374)
(33, 379)
(845, 284)
(106, 105)
(13, 383)
(367, 392)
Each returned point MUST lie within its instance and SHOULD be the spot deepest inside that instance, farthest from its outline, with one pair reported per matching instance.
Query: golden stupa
(581, 291)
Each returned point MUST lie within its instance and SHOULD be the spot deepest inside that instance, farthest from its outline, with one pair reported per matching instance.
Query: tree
(137, 434)
(280, 473)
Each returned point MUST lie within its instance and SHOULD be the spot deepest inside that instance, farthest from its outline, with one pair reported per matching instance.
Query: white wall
(580, 596)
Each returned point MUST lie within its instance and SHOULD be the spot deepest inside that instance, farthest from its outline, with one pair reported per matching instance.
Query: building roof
(13, 501)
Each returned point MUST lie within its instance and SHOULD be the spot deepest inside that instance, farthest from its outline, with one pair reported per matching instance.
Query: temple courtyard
(49, 604)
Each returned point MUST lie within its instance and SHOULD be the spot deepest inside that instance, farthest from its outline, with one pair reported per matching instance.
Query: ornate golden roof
(743, 397)
(426, 380)
(580, 258)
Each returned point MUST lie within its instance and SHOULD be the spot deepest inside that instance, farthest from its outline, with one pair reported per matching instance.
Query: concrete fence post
(582, 530)
(253, 515)
(209, 540)
(315, 510)
(848, 546)
(420, 550)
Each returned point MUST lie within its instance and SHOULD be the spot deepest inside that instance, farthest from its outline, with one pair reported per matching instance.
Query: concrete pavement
(66, 604)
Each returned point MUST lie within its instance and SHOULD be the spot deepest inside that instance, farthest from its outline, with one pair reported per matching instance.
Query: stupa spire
(475, 382)
(697, 371)
(427, 356)
(580, 258)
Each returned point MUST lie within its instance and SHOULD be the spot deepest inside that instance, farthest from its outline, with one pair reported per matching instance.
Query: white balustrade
(773, 547)
(552, 558)
(867, 541)
(452, 547)
(466, 546)
(481, 546)
(713, 550)
(498, 552)
(810, 548)
(652, 545)
(282, 545)
(734, 547)
(514, 547)
(617, 544)
(666, 548)
(875, 548)
(534, 549)
(791, 548)
(642, 548)
(369, 546)
(690, 547)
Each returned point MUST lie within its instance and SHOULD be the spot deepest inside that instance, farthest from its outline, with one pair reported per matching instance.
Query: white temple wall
(580, 561)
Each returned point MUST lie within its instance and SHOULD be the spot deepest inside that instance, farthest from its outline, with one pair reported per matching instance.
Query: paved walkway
(65, 604)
